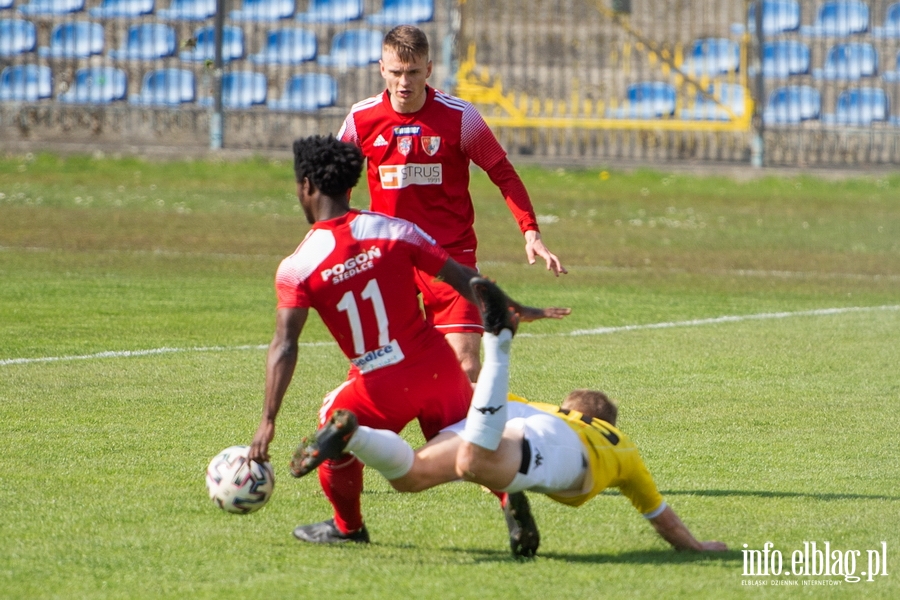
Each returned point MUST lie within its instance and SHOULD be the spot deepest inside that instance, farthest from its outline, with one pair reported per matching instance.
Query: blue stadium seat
(711, 56)
(287, 47)
(6, 4)
(331, 11)
(263, 10)
(859, 107)
(397, 12)
(779, 16)
(232, 44)
(37, 8)
(891, 27)
(849, 62)
(839, 18)
(793, 104)
(122, 9)
(146, 41)
(894, 75)
(188, 10)
(704, 109)
(354, 48)
(646, 100)
(784, 58)
(75, 39)
(25, 83)
(241, 89)
(17, 36)
(166, 87)
(97, 85)
(310, 91)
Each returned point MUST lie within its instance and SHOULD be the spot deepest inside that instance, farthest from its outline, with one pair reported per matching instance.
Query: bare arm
(669, 526)
(458, 276)
(280, 363)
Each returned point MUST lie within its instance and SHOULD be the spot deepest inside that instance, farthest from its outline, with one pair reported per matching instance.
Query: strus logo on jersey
(431, 144)
(352, 266)
(395, 177)
(404, 145)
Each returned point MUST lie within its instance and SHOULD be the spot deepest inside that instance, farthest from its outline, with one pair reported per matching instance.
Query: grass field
(750, 331)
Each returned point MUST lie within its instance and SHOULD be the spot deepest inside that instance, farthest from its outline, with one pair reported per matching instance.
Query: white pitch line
(576, 333)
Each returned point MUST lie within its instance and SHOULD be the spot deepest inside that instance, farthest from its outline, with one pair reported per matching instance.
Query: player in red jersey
(418, 143)
(355, 268)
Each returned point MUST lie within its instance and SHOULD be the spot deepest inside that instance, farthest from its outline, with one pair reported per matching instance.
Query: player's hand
(259, 448)
(535, 247)
(713, 546)
(532, 313)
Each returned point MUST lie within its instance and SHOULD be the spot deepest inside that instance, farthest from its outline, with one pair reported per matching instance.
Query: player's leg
(467, 347)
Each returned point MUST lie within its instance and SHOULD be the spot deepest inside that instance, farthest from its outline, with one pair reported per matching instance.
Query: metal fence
(589, 80)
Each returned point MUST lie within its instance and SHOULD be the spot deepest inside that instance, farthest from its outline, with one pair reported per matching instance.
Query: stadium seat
(331, 11)
(263, 10)
(397, 12)
(859, 107)
(711, 56)
(646, 100)
(779, 16)
(839, 18)
(354, 48)
(891, 27)
(25, 83)
(17, 36)
(75, 39)
(849, 62)
(166, 87)
(784, 58)
(704, 109)
(205, 49)
(310, 91)
(188, 10)
(122, 9)
(4, 4)
(37, 8)
(241, 89)
(793, 104)
(97, 85)
(894, 75)
(146, 41)
(287, 47)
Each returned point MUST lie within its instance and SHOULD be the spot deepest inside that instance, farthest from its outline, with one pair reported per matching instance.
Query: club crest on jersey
(430, 144)
(404, 145)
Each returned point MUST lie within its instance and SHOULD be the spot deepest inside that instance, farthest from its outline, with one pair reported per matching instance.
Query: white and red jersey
(356, 271)
(418, 164)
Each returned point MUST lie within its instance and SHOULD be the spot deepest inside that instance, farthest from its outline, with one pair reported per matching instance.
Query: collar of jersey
(337, 221)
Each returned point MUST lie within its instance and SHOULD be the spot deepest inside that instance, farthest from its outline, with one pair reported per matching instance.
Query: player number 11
(348, 304)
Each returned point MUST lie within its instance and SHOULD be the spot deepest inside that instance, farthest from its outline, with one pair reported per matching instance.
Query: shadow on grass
(770, 494)
(634, 557)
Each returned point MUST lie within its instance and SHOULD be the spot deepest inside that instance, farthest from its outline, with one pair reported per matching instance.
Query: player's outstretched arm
(670, 527)
(280, 362)
(458, 276)
(534, 247)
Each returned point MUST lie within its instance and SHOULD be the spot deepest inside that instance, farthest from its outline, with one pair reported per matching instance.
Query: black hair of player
(332, 167)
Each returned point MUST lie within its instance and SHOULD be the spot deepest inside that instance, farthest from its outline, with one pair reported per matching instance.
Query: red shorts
(445, 308)
(433, 390)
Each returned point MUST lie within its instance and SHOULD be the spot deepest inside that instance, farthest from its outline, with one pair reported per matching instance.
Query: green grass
(777, 430)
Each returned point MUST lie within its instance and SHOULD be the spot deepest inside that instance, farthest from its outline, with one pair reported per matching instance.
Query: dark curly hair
(333, 167)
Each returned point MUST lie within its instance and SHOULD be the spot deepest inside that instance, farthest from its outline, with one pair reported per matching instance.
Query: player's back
(357, 272)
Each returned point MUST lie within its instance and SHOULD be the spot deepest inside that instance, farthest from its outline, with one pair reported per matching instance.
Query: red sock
(500, 496)
(342, 482)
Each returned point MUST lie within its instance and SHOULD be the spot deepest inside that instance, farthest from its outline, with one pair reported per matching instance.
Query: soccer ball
(237, 485)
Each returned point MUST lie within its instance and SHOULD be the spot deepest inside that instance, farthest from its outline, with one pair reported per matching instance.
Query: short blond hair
(407, 42)
(593, 404)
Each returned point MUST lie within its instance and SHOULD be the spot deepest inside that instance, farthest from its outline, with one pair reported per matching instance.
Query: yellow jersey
(613, 461)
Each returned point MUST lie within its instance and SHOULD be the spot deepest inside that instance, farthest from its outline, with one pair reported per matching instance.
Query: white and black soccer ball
(237, 485)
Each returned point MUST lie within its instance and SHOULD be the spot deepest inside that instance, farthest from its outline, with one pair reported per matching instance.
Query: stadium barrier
(577, 80)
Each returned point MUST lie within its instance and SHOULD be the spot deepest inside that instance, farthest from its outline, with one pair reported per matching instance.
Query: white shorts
(554, 460)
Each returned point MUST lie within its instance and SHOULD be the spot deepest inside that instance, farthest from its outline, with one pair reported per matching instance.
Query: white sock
(487, 414)
(383, 450)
